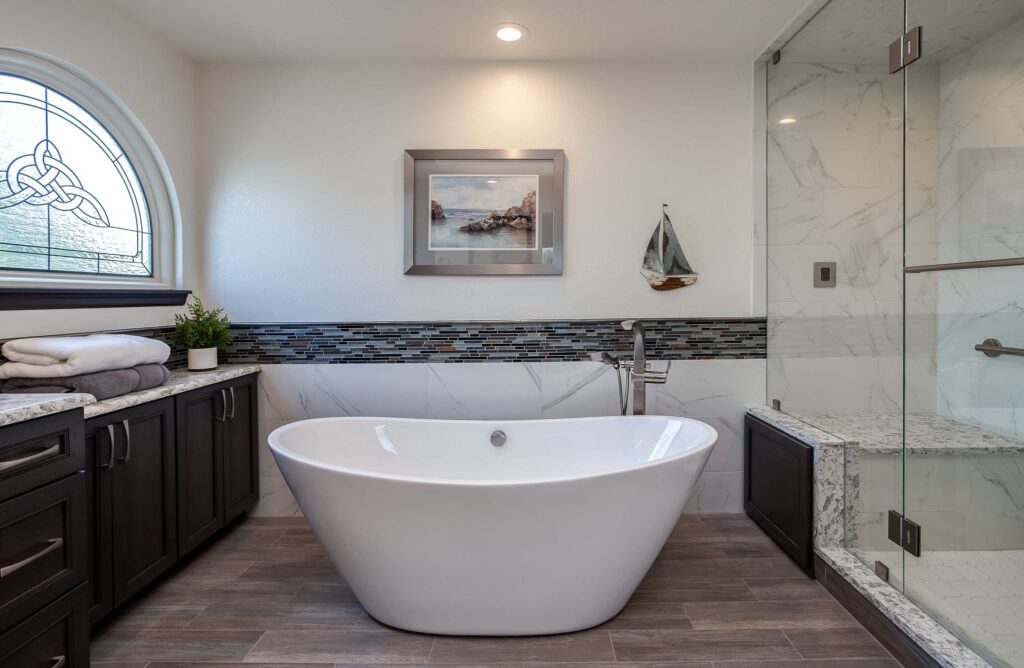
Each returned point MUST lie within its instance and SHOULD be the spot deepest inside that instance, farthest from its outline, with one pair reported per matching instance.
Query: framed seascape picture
(484, 211)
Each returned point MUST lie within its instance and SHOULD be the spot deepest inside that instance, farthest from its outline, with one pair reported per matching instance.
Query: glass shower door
(964, 425)
(835, 204)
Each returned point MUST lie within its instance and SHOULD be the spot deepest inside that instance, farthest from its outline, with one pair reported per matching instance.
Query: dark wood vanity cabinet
(778, 489)
(43, 543)
(131, 462)
(217, 472)
(92, 511)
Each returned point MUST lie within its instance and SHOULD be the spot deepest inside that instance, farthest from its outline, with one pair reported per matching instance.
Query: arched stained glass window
(86, 198)
(70, 200)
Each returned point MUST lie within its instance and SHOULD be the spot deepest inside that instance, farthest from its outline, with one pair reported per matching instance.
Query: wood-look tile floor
(721, 595)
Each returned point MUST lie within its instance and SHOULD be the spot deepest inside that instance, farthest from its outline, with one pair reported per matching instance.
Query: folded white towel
(60, 356)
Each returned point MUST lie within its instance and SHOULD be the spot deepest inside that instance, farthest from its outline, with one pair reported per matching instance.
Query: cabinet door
(200, 416)
(99, 558)
(241, 472)
(778, 471)
(143, 496)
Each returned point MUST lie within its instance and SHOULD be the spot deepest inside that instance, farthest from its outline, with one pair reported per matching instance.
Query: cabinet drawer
(55, 637)
(42, 547)
(40, 451)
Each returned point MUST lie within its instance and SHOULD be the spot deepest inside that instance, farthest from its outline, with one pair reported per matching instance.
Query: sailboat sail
(665, 265)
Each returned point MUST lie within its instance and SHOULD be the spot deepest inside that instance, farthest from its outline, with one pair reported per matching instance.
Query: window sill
(32, 299)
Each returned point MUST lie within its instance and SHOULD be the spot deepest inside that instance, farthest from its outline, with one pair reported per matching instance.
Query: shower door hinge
(905, 50)
(905, 533)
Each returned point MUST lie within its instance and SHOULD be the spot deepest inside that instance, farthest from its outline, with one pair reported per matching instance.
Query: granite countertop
(21, 407)
(180, 381)
(795, 427)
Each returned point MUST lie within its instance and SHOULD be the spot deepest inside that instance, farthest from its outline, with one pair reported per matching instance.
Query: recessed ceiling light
(491, 181)
(510, 32)
(787, 121)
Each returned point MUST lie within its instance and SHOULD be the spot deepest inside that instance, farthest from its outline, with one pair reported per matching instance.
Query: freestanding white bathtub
(437, 530)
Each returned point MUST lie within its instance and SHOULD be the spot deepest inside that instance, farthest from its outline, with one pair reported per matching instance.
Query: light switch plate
(824, 274)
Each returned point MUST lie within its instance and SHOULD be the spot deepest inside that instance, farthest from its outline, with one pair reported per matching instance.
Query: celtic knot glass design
(70, 200)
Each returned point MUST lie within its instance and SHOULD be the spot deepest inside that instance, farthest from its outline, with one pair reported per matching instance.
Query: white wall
(302, 177)
(156, 82)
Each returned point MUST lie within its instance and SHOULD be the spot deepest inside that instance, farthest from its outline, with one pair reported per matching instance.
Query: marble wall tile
(579, 389)
(509, 391)
(715, 391)
(994, 531)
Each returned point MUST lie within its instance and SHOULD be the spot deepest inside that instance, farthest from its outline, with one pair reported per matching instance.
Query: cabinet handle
(54, 544)
(232, 416)
(127, 441)
(223, 405)
(110, 463)
(59, 661)
(21, 461)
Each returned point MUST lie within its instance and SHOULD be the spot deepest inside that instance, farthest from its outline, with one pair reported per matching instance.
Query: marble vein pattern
(180, 381)
(948, 650)
(21, 407)
(713, 391)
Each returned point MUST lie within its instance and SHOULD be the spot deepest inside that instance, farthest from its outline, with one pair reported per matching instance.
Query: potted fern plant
(202, 331)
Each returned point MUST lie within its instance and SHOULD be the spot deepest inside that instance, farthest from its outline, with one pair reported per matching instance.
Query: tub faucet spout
(639, 375)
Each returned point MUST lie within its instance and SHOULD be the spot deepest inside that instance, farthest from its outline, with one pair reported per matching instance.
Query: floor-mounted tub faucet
(637, 373)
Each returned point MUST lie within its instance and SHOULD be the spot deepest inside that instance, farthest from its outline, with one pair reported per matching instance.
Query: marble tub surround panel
(714, 391)
(180, 381)
(948, 650)
(21, 407)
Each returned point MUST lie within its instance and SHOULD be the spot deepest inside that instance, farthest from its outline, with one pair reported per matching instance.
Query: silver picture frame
(546, 259)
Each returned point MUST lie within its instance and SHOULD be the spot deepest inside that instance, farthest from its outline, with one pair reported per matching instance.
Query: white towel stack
(62, 356)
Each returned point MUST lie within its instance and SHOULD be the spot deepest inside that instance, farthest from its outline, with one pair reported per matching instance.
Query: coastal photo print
(483, 212)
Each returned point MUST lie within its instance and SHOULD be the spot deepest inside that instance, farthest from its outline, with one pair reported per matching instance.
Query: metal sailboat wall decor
(665, 265)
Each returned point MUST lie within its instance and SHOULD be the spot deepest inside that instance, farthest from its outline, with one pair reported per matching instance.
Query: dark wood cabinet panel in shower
(778, 489)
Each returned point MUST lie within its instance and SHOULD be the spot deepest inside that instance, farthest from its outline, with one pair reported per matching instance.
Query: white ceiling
(297, 30)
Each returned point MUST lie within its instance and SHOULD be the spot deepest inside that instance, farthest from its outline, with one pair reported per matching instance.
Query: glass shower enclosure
(895, 289)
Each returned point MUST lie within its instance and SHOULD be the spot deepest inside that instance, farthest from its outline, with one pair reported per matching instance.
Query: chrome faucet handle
(628, 324)
(652, 377)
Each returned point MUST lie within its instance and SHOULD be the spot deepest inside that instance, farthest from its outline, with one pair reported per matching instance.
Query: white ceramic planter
(202, 359)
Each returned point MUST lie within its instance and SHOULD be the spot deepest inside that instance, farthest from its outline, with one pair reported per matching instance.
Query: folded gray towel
(101, 384)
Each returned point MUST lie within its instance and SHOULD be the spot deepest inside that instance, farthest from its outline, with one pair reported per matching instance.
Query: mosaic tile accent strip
(523, 341)
(460, 342)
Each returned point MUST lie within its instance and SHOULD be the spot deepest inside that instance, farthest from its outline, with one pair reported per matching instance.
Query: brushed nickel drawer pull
(110, 462)
(127, 441)
(59, 661)
(55, 544)
(232, 416)
(42, 454)
(223, 405)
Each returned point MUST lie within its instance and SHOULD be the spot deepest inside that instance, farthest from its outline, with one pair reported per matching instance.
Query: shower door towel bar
(995, 348)
(975, 264)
